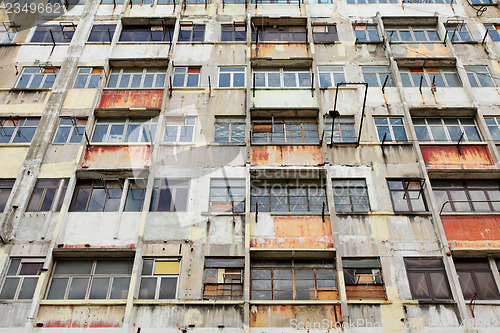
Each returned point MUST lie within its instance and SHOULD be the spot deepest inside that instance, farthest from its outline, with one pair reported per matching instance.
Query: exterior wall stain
(472, 231)
(286, 155)
(422, 50)
(449, 157)
(136, 98)
(280, 51)
(81, 316)
(282, 315)
(121, 157)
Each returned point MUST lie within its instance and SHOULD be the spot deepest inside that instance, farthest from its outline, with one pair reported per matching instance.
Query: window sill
(413, 213)
(128, 88)
(142, 42)
(368, 301)
(48, 44)
(98, 43)
(349, 87)
(120, 144)
(469, 213)
(229, 88)
(295, 213)
(293, 302)
(454, 144)
(24, 144)
(183, 302)
(83, 302)
(195, 89)
(484, 302)
(30, 89)
(353, 213)
(226, 144)
(282, 88)
(434, 301)
(285, 144)
(368, 42)
(231, 42)
(279, 42)
(223, 214)
(417, 42)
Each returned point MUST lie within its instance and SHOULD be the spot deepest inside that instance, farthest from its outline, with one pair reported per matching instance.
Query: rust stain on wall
(80, 316)
(297, 232)
(287, 155)
(131, 98)
(281, 315)
(120, 157)
(472, 231)
(281, 51)
(449, 157)
(426, 50)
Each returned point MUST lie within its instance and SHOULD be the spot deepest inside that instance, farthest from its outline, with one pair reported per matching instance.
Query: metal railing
(472, 209)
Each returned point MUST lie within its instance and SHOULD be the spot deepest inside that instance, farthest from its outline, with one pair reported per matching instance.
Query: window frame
(60, 187)
(358, 2)
(106, 36)
(226, 286)
(274, 136)
(466, 190)
(279, 32)
(44, 83)
(477, 83)
(18, 126)
(97, 184)
(8, 35)
(341, 125)
(6, 185)
(194, 30)
(186, 76)
(335, 74)
(477, 285)
(427, 271)
(428, 74)
(363, 275)
(142, 124)
(58, 36)
(91, 277)
(390, 126)
(406, 196)
(411, 29)
(172, 185)
(159, 74)
(493, 122)
(159, 277)
(349, 185)
(282, 71)
(235, 33)
(91, 76)
(493, 33)
(180, 128)
(231, 122)
(379, 72)
(232, 74)
(8, 274)
(446, 129)
(366, 33)
(330, 34)
(137, 30)
(458, 31)
(237, 206)
(77, 124)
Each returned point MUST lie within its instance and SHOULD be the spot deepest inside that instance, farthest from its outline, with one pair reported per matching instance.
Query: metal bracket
(458, 143)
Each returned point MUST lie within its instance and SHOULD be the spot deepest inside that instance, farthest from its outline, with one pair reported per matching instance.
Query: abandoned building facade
(250, 166)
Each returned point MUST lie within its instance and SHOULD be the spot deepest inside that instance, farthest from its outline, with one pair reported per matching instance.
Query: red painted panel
(131, 98)
(287, 155)
(449, 157)
(296, 232)
(472, 231)
(117, 157)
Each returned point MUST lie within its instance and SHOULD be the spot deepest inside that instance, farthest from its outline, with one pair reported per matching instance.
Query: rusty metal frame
(364, 103)
(466, 201)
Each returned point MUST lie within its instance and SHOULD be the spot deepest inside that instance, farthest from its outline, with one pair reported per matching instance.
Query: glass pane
(78, 288)
(73, 267)
(440, 285)
(418, 285)
(119, 290)
(99, 288)
(147, 288)
(9, 288)
(113, 267)
(168, 287)
(27, 288)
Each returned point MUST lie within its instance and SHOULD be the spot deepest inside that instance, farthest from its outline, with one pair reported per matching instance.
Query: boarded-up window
(363, 279)
(223, 278)
(159, 279)
(427, 278)
(293, 279)
(476, 279)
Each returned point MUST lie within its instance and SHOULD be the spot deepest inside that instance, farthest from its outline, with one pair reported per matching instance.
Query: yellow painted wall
(12, 159)
(79, 98)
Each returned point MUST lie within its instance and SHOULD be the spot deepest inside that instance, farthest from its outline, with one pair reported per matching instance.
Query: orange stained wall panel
(131, 98)
(119, 157)
(284, 315)
(280, 51)
(287, 155)
(449, 157)
(472, 231)
(296, 232)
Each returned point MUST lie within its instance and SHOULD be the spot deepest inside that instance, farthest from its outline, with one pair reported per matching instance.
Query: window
(112, 2)
(412, 34)
(100, 195)
(197, 2)
(37, 78)
(53, 33)
(124, 130)
(320, 1)
(231, 76)
(21, 279)
(467, 196)
(227, 195)
(343, 130)
(68, 3)
(102, 33)
(87, 78)
(44, 195)
(446, 129)
(17, 130)
(90, 279)
(375, 76)
(329, 76)
(479, 76)
(186, 76)
(159, 279)
(366, 33)
(493, 31)
(223, 278)
(233, 32)
(285, 130)
(8, 33)
(391, 129)
(168, 2)
(493, 124)
(288, 196)
(71, 130)
(428, 1)
(5, 189)
(282, 78)
(427, 279)
(192, 33)
(230, 129)
(370, 1)
(275, 33)
(135, 195)
(293, 279)
(277, 1)
(147, 33)
(476, 279)
(170, 195)
(325, 33)
(142, 2)
(179, 129)
(363, 278)
(440, 76)
(481, 2)
(407, 195)
(350, 195)
(457, 32)
(137, 78)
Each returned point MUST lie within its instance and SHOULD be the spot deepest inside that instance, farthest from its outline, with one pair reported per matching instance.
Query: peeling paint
(287, 155)
(449, 157)
(131, 98)
(472, 231)
(121, 157)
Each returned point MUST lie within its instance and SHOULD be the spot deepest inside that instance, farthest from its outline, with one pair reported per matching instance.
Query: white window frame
(396, 35)
(126, 122)
(334, 72)
(19, 123)
(380, 72)
(89, 73)
(282, 71)
(160, 276)
(445, 127)
(179, 127)
(480, 70)
(391, 130)
(428, 77)
(53, 71)
(77, 124)
(184, 71)
(17, 275)
(370, 32)
(119, 72)
(231, 75)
